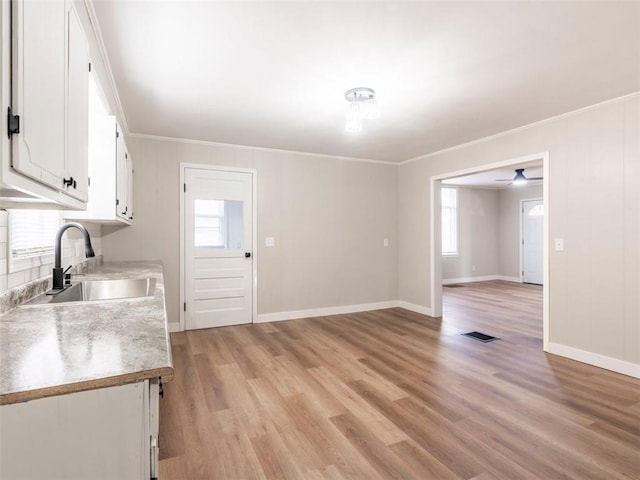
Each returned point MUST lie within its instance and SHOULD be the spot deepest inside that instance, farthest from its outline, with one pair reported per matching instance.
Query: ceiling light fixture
(362, 105)
(519, 178)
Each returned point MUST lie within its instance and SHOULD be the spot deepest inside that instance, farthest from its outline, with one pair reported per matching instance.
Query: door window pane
(537, 211)
(218, 223)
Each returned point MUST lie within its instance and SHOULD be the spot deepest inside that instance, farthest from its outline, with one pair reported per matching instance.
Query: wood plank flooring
(393, 394)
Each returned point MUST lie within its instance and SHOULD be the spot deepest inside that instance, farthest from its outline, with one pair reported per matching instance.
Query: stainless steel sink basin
(101, 290)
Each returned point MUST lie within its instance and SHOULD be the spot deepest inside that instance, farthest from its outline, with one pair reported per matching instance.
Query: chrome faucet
(58, 274)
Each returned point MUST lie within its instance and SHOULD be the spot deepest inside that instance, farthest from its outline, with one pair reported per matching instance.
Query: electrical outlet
(269, 242)
(385, 242)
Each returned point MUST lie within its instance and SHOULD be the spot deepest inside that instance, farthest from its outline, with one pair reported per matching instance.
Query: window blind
(33, 232)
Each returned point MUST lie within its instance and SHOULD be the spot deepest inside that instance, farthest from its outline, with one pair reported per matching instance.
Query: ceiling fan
(519, 178)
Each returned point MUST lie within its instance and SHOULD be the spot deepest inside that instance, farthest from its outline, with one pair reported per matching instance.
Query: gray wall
(477, 235)
(328, 216)
(509, 227)
(594, 204)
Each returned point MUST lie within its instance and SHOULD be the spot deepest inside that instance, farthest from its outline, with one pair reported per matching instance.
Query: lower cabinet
(108, 433)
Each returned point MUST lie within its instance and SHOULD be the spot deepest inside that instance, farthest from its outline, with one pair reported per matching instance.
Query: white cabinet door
(77, 108)
(38, 50)
(110, 166)
(122, 182)
(102, 434)
(129, 206)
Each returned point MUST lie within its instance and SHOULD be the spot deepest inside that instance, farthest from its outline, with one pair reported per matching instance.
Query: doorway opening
(469, 259)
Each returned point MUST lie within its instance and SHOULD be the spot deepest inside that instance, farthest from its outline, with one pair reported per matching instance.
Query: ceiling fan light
(520, 179)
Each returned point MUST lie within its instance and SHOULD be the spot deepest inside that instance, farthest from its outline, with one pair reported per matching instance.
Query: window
(449, 200)
(32, 237)
(218, 223)
(537, 211)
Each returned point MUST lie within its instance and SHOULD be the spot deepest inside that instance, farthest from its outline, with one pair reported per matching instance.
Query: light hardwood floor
(394, 394)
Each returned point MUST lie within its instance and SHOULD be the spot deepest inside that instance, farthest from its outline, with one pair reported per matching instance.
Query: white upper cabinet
(38, 87)
(77, 108)
(48, 68)
(110, 168)
(124, 180)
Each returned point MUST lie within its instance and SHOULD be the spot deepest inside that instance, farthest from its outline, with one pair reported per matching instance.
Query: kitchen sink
(100, 290)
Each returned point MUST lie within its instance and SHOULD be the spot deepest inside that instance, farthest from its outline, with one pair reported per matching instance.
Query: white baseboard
(602, 361)
(321, 312)
(508, 279)
(414, 308)
(482, 278)
(173, 327)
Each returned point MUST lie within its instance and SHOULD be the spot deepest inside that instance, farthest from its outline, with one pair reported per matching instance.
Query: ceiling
(273, 74)
(489, 178)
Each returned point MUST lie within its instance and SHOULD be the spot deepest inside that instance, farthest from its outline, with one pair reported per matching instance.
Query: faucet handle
(67, 276)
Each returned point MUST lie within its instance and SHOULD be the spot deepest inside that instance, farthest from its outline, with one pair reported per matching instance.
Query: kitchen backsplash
(72, 254)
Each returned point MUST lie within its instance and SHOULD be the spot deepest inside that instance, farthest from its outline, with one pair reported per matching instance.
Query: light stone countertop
(56, 349)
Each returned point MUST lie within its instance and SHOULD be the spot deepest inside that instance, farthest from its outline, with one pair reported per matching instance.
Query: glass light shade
(370, 109)
(355, 113)
(519, 179)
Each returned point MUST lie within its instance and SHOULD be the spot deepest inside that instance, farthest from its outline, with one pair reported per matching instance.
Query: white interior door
(218, 220)
(532, 240)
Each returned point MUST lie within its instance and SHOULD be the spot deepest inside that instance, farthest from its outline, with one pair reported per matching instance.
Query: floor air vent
(453, 285)
(482, 337)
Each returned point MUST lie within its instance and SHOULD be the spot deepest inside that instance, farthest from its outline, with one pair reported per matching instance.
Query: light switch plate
(559, 244)
(385, 242)
(269, 241)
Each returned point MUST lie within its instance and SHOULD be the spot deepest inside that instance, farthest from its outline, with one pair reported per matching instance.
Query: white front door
(218, 260)
(532, 240)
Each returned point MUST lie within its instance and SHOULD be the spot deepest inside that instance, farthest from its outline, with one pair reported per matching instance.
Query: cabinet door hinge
(89, 66)
(184, 187)
(185, 306)
(117, 134)
(13, 123)
(117, 202)
(88, 181)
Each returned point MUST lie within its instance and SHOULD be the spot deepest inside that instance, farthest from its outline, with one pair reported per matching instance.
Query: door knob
(247, 254)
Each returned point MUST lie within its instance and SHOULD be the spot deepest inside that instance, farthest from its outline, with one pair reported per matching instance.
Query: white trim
(435, 273)
(518, 129)
(506, 278)
(321, 312)
(254, 226)
(521, 244)
(415, 308)
(546, 199)
(260, 149)
(436, 258)
(596, 359)
(181, 192)
(481, 278)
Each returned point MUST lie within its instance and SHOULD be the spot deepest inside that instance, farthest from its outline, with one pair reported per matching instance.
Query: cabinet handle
(13, 123)
(67, 182)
